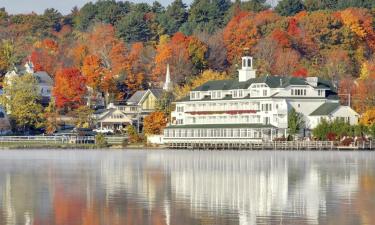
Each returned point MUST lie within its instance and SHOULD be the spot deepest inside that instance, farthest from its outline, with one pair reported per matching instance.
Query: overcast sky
(64, 6)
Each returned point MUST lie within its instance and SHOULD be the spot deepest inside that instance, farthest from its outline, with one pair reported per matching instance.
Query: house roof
(325, 109)
(43, 78)
(271, 81)
(108, 112)
(158, 93)
(255, 125)
(138, 96)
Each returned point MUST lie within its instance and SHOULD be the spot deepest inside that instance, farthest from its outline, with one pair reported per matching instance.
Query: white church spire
(168, 84)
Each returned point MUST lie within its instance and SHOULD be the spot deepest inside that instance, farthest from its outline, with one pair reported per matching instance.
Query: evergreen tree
(289, 7)
(133, 27)
(86, 16)
(295, 122)
(173, 18)
(208, 15)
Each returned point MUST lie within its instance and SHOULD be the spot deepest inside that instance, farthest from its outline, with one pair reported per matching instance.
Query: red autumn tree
(70, 88)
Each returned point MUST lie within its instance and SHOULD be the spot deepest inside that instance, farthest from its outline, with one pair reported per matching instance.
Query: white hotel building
(253, 108)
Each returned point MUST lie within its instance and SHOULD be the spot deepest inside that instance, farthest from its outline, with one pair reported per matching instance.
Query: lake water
(186, 187)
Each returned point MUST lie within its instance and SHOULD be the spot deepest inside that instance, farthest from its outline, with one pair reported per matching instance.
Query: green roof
(271, 81)
(254, 125)
(325, 109)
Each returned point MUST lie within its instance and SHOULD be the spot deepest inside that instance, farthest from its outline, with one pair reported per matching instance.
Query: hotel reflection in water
(187, 188)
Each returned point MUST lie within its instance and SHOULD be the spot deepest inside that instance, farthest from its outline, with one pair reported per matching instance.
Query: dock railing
(269, 145)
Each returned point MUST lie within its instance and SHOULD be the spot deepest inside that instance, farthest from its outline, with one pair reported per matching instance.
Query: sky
(64, 6)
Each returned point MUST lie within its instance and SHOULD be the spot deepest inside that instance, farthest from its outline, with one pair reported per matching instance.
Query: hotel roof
(271, 81)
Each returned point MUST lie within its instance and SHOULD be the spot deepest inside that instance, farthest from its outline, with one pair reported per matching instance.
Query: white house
(253, 108)
(45, 82)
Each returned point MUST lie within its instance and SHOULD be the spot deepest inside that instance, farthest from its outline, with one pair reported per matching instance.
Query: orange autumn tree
(70, 88)
(240, 33)
(103, 43)
(155, 123)
(134, 75)
(92, 71)
(184, 54)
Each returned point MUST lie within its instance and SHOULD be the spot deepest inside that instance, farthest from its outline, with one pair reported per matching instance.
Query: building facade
(253, 108)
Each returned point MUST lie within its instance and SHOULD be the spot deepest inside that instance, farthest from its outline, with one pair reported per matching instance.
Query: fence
(113, 140)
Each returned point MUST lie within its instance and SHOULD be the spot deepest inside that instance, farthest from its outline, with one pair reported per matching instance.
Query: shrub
(100, 141)
(331, 136)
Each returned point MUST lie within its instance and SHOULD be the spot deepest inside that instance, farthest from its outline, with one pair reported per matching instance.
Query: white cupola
(247, 71)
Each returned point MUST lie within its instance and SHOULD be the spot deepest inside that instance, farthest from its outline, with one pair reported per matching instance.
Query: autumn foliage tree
(70, 88)
(206, 76)
(155, 123)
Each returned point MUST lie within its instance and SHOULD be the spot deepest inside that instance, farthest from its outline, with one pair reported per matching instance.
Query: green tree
(21, 100)
(133, 135)
(51, 118)
(208, 15)
(101, 141)
(83, 117)
(133, 27)
(289, 7)
(110, 11)
(295, 122)
(320, 132)
(85, 16)
(164, 104)
(7, 56)
(173, 18)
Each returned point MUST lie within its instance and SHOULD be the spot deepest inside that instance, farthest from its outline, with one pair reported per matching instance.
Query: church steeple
(168, 84)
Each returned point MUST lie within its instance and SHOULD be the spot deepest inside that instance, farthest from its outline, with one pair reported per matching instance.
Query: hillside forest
(116, 48)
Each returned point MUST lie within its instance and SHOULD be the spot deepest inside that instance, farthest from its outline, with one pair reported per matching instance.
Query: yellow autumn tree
(155, 123)
(207, 75)
(368, 118)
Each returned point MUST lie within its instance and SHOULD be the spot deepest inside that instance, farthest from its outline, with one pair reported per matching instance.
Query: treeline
(115, 48)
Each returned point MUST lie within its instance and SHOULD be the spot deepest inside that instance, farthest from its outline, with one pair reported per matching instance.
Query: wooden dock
(272, 145)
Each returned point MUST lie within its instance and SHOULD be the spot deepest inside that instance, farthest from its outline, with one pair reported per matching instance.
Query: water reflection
(186, 187)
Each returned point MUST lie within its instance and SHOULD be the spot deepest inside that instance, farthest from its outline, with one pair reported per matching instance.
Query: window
(264, 92)
(249, 63)
(234, 94)
(304, 91)
(240, 93)
(292, 92)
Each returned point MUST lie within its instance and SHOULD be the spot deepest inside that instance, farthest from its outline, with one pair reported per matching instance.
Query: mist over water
(186, 187)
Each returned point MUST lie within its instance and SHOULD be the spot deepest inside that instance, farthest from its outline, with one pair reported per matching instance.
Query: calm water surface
(186, 187)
